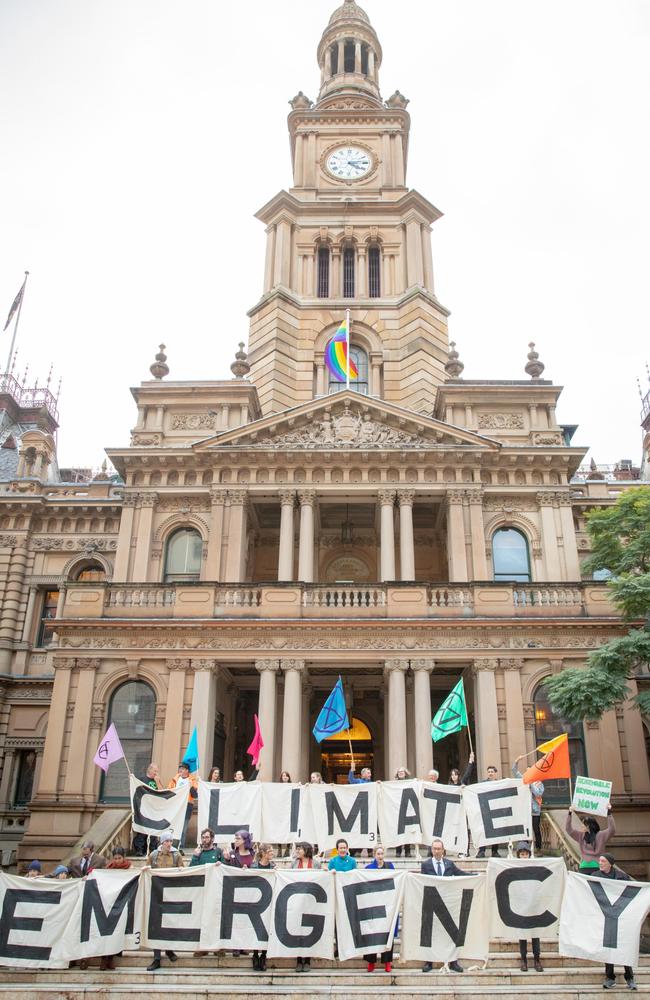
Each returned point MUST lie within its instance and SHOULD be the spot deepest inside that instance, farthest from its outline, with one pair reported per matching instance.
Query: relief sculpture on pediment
(347, 430)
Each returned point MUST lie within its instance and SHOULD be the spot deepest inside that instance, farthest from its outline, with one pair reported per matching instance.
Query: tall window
(133, 711)
(348, 272)
(364, 59)
(25, 778)
(348, 57)
(510, 555)
(48, 612)
(360, 384)
(323, 272)
(374, 272)
(334, 56)
(548, 725)
(183, 556)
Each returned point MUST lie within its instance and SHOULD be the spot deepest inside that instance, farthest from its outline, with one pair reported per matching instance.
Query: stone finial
(159, 369)
(594, 472)
(300, 102)
(397, 100)
(240, 366)
(454, 366)
(535, 367)
(103, 475)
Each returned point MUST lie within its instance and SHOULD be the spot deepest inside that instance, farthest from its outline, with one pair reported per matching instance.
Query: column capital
(546, 498)
(217, 497)
(474, 495)
(423, 666)
(209, 666)
(484, 664)
(129, 500)
(238, 497)
(307, 498)
(148, 499)
(455, 496)
(563, 500)
(512, 664)
(271, 665)
(386, 497)
(287, 497)
(405, 498)
(297, 665)
(396, 666)
(178, 664)
(63, 662)
(88, 663)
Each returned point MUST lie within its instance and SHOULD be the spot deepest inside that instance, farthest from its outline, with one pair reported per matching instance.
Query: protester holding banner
(263, 861)
(152, 779)
(242, 854)
(523, 852)
(303, 856)
(366, 776)
(378, 862)
(536, 795)
(87, 861)
(118, 862)
(607, 870)
(62, 874)
(215, 775)
(441, 866)
(401, 774)
(180, 780)
(34, 869)
(164, 856)
(207, 853)
(342, 860)
(491, 775)
(591, 840)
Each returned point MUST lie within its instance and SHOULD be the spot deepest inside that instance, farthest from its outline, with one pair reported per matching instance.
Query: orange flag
(554, 764)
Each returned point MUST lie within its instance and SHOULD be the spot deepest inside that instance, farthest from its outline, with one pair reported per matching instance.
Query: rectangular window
(25, 778)
(323, 272)
(374, 273)
(348, 273)
(48, 612)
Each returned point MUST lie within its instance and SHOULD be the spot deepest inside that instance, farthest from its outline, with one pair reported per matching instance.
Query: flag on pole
(109, 750)
(257, 743)
(451, 717)
(337, 355)
(15, 304)
(554, 764)
(191, 755)
(333, 716)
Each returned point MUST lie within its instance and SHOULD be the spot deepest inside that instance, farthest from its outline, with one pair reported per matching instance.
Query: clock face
(349, 163)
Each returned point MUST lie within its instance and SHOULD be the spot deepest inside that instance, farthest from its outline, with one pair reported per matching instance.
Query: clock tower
(349, 234)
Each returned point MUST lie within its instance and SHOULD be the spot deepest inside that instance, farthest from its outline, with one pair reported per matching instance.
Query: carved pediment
(347, 430)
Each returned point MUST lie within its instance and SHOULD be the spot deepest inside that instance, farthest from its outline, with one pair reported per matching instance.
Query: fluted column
(477, 533)
(268, 670)
(236, 557)
(571, 558)
(406, 546)
(512, 669)
(549, 536)
(292, 718)
(285, 558)
(143, 542)
(173, 744)
(422, 711)
(307, 500)
(486, 714)
(79, 756)
(456, 551)
(395, 671)
(47, 786)
(13, 597)
(387, 560)
(204, 706)
(213, 560)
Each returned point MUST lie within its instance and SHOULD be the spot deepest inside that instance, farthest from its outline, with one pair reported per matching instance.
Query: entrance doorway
(336, 759)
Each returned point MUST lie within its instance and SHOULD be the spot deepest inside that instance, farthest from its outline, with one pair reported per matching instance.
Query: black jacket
(614, 873)
(427, 868)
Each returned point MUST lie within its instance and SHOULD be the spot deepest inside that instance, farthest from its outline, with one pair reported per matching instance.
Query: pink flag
(257, 744)
(109, 750)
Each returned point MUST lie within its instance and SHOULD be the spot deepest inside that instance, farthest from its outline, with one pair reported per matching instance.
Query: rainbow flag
(337, 359)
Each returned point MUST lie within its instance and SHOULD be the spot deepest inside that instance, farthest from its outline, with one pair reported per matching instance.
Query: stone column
(486, 716)
(341, 56)
(78, 751)
(268, 670)
(422, 703)
(299, 159)
(549, 536)
(213, 560)
(29, 614)
(477, 533)
(398, 161)
(375, 373)
(413, 253)
(56, 726)
(387, 503)
(357, 57)
(406, 545)
(362, 272)
(571, 559)
(335, 275)
(371, 64)
(285, 559)
(320, 379)
(328, 62)
(634, 740)
(307, 500)
(428, 258)
(456, 551)
(11, 604)
(204, 707)
(173, 745)
(143, 541)
(395, 672)
(514, 708)
(7, 783)
(310, 167)
(269, 258)
(236, 555)
(292, 718)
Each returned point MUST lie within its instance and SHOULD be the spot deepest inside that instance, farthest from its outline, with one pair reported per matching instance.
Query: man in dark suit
(441, 866)
(87, 861)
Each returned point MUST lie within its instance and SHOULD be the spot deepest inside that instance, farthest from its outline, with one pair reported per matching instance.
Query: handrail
(555, 837)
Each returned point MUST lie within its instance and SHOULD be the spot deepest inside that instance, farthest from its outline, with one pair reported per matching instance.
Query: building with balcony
(274, 529)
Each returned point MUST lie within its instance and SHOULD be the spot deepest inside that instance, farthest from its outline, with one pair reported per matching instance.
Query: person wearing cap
(34, 870)
(179, 781)
(87, 861)
(607, 869)
(523, 852)
(164, 856)
(60, 872)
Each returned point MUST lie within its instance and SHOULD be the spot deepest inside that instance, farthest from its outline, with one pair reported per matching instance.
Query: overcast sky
(140, 136)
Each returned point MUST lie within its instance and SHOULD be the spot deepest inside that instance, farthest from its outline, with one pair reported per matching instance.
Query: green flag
(452, 714)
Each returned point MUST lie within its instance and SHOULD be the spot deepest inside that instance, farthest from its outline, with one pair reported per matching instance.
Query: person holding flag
(536, 796)
(187, 774)
(333, 716)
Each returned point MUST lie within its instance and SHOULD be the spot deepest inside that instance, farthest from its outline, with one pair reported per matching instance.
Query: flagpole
(20, 306)
(347, 348)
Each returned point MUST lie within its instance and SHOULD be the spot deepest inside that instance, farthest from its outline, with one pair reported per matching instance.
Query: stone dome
(349, 11)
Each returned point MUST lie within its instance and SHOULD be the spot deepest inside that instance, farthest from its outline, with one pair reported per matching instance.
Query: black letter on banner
(351, 894)
(443, 799)
(502, 885)
(159, 906)
(408, 801)
(432, 902)
(107, 922)
(213, 817)
(294, 820)
(612, 911)
(346, 823)
(9, 922)
(254, 911)
(313, 920)
(488, 815)
(138, 816)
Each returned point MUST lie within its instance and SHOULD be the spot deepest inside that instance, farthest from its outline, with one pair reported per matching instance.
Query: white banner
(173, 901)
(240, 909)
(280, 813)
(601, 919)
(348, 811)
(444, 918)
(302, 921)
(226, 808)
(526, 897)
(34, 918)
(498, 811)
(108, 915)
(155, 811)
(398, 807)
(367, 906)
(442, 812)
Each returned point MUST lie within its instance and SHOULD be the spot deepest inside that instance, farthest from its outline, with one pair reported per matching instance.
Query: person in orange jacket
(179, 781)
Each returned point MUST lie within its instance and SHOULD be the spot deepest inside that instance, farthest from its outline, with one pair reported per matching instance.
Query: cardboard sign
(592, 795)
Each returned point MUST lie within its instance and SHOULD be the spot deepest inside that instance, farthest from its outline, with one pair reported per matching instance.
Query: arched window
(183, 556)
(133, 711)
(87, 572)
(323, 289)
(348, 272)
(374, 272)
(510, 555)
(548, 725)
(360, 384)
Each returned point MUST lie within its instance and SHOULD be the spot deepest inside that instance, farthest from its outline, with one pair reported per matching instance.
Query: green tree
(620, 543)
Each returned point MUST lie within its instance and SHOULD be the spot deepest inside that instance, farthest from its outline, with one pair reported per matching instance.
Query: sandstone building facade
(273, 530)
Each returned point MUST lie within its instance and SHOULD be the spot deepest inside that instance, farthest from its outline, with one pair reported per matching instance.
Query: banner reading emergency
(498, 811)
(526, 898)
(154, 811)
(445, 918)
